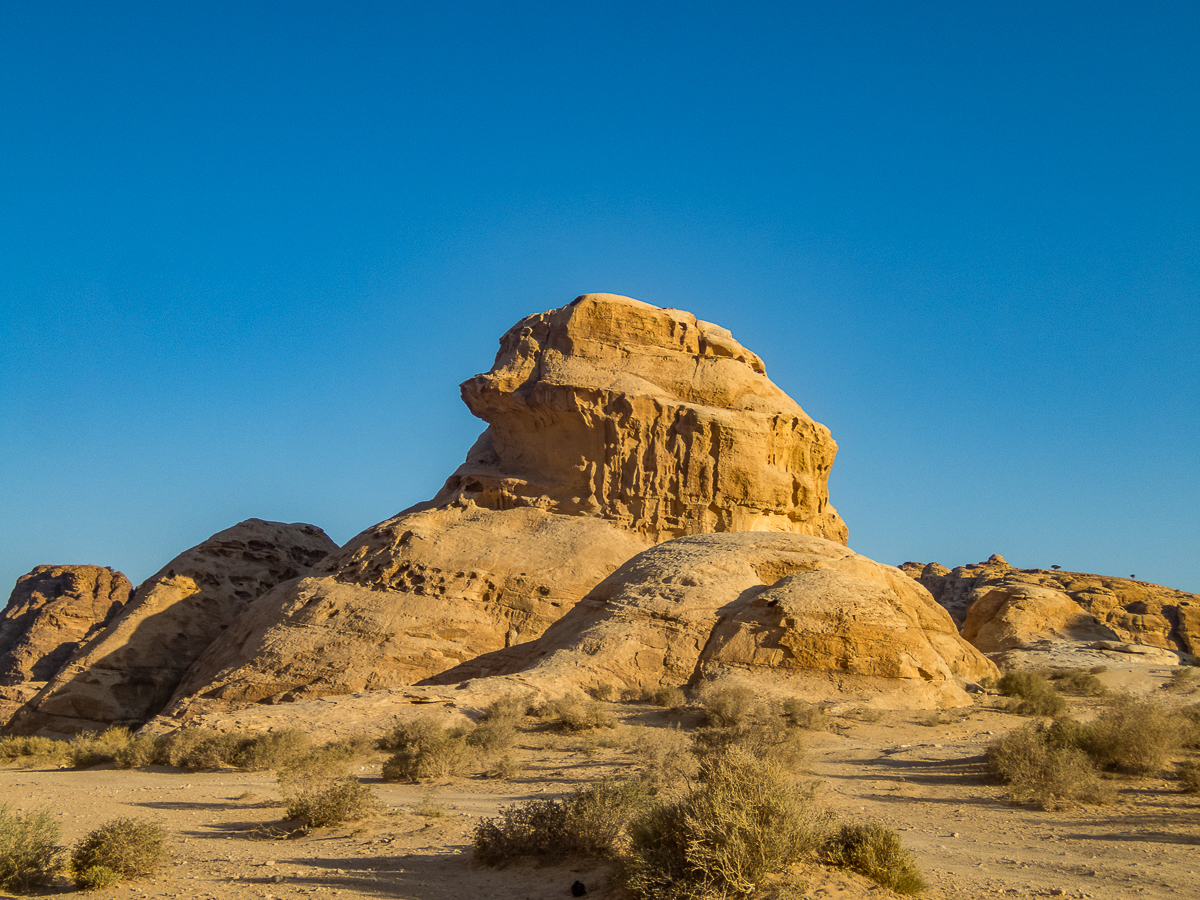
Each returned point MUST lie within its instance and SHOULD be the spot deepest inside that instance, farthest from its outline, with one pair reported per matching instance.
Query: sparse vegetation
(320, 792)
(1134, 736)
(579, 714)
(1189, 777)
(1081, 684)
(424, 749)
(30, 854)
(32, 751)
(770, 739)
(666, 755)
(589, 823)
(1045, 767)
(117, 851)
(808, 716)
(875, 851)
(726, 706)
(1032, 694)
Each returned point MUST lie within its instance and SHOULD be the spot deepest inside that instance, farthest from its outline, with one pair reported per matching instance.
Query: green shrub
(1135, 736)
(1045, 767)
(743, 822)
(321, 792)
(29, 851)
(1033, 694)
(32, 751)
(587, 823)
(118, 850)
(424, 749)
(726, 705)
(140, 751)
(875, 851)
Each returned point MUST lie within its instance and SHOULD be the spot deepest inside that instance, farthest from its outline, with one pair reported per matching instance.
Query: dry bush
(424, 749)
(1045, 766)
(509, 709)
(808, 716)
(771, 739)
(273, 750)
(1081, 684)
(32, 751)
(1190, 716)
(1135, 736)
(743, 822)
(29, 851)
(875, 851)
(590, 822)
(321, 792)
(726, 706)
(92, 749)
(606, 692)
(492, 735)
(667, 697)
(118, 850)
(1189, 777)
(579, 714)
(1033, 695)
(504, 768)
(666, 755)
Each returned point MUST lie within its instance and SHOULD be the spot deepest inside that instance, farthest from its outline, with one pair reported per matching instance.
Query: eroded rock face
(612, 425)
(127, 672)
(647, 417)
(51, 611)
(1122, 609)
(1021, 616)
(833, 623)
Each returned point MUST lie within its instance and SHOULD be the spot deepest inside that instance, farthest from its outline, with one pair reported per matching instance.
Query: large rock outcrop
(788, 607)
(1031, 606)
(613, 425)
(126, 673)
(50, 612)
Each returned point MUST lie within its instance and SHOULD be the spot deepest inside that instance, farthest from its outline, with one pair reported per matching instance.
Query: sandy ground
(919, 773)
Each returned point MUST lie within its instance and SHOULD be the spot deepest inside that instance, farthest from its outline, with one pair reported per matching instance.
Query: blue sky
(249, 250)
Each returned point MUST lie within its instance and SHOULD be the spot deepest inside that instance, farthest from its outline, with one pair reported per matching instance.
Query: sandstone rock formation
(1135, 612)
(612, 425)
(126, 672)
(1019, 616)
(830, 622)
(52, 610)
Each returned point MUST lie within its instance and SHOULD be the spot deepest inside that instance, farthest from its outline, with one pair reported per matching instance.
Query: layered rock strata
(50, 612)
(1033, 605)
(772, 606)
(612, 425)
(126, 673)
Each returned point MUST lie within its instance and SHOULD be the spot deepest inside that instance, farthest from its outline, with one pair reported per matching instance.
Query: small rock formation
(124, 674)
(612, 425)
(1121, 609)
(776, 606)
(51, 611)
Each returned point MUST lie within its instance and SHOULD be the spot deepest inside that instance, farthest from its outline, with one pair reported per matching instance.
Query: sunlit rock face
(612, 425)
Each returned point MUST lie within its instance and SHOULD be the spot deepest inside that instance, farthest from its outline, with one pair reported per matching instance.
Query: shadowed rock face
(52, 610)
(612, 425)
(125, 673)
(770, 605)
(1017, 607)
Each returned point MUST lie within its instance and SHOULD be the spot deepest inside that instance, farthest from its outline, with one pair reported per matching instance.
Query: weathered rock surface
(125, 673)
(648, 417)
(50, 612)
(796, 607)
(1123, 609)
(612, 425)
(1019, 616)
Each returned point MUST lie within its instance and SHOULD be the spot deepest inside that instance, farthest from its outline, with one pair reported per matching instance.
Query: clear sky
(248, 250)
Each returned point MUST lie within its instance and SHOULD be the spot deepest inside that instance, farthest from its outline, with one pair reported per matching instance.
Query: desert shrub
(509, 709)
(493, 735)
(667, 697)
(590, 822)
(1045, 767)
(1190, 717)
(272, 750)
(605, 692)
(726, 705)
(741, 823)
(1135, 736)
(802, 714)
(875, 851)
(1189, 777)
(425, 749)
(1032, 694)
(32, 751)
(578, 714)
(29, 850)
(118, 850)
(771, 739)
(321, 792)
(504, 768)
(1082, 684)
(666, 755)
(140, 751)
(92, 749)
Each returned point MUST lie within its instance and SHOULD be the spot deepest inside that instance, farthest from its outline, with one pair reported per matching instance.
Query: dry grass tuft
(117, 851)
